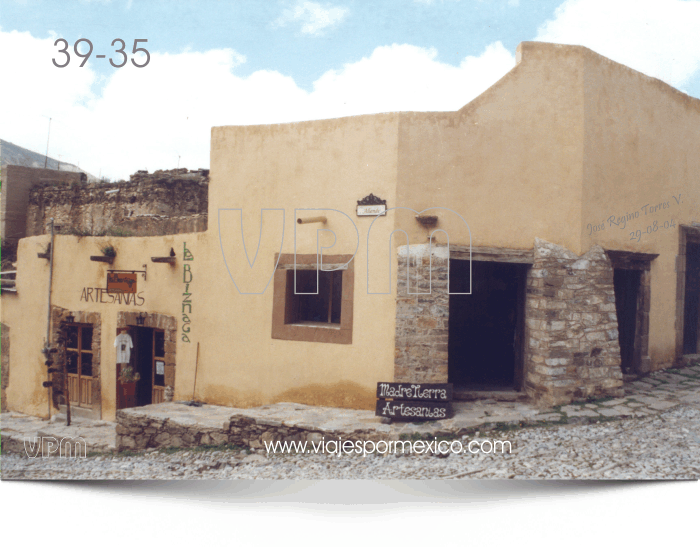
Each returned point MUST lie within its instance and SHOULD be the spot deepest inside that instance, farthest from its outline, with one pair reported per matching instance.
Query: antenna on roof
(46, 158)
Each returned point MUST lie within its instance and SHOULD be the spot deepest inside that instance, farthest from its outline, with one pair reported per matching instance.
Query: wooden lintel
(313, 266)
(487, 253)
(102, 258)
(631, 260)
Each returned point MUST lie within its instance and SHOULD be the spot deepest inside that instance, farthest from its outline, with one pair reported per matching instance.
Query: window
(315, 301)
(159, 358)
(79, 350)
(321, 308)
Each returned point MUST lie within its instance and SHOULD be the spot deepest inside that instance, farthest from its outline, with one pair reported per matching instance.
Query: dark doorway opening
(691, 305)
(485, 345)
(627, 283)
(143, 356)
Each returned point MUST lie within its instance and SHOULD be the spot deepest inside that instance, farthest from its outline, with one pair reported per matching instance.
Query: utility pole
(46, 158)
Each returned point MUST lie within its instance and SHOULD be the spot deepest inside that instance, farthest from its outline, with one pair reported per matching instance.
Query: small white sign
(379, 209)
(160, 368)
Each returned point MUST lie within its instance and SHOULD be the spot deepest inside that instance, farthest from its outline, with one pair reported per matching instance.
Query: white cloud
(313, 17)
(660, 38)
(146, 118)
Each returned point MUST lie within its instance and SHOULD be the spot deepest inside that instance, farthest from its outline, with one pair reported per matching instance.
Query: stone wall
(5, 371)
(16, 184)
(164, 202)
(572, 349)
(420, 353)
(137, 431)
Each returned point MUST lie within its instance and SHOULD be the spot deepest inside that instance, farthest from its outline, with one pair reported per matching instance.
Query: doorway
(691, 302)
(626, 283)
(485, 345)
(148, 360)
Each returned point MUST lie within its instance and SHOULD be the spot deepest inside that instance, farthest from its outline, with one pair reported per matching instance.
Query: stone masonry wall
(164, 202)
(572, 349)
(420, 353)
(137, 431)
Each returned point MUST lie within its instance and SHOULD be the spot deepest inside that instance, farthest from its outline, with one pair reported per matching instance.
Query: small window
(317, 298)
(321, 308)
(159, 343)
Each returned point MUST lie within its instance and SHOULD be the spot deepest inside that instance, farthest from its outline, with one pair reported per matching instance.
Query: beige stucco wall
(26, 312)
(510, 162)
(641, 148)
(311, 165)
(324, 164)
(564, 139)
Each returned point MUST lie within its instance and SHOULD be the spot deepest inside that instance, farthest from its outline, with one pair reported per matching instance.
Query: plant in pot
(109, 252)
(127, 374)
(127, 381)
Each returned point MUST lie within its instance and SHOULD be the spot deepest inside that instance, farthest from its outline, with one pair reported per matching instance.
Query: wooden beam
(488, 253)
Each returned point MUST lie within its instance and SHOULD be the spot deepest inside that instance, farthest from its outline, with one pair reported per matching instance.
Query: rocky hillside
(19, 156)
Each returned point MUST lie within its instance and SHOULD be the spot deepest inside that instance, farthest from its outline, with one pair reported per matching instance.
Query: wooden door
(79, 364)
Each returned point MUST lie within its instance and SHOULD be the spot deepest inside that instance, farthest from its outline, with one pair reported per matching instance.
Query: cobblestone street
(651, 433)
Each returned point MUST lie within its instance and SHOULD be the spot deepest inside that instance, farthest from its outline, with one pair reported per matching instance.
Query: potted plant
(127, 382)
(127, 374)
(108, 254)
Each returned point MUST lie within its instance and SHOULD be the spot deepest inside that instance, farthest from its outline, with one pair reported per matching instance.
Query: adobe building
(547, 228)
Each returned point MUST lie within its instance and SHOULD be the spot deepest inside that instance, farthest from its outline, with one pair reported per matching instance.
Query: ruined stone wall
(5, 371)
(422, 320)
(164, 202)
(572, 348)
(17, 182)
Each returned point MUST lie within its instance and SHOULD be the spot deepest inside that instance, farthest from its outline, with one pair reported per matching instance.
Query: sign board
(121, 282)
(378, 209)
(440, 392)
(409, 410)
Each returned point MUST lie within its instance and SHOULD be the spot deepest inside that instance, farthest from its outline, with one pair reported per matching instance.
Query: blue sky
(218, 62)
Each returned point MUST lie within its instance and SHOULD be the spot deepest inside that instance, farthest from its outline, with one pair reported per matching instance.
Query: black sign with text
(408, 410)
(440, 392)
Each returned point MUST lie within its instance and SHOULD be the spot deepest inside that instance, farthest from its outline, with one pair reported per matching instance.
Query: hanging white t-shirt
(123, 344)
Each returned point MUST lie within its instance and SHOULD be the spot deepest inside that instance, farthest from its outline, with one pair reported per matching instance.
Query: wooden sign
(408, 410)
(121, 282)
(440, 392)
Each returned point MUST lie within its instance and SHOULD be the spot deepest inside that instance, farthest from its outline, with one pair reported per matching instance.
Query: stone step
(502, 396)
(76, 414)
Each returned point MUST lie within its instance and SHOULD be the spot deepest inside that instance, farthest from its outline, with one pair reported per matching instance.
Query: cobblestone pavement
(651, 433)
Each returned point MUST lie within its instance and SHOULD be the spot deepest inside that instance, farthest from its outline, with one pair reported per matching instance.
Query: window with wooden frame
(321, 308)
(79, 364)
(317, 299)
